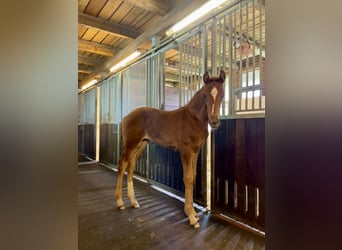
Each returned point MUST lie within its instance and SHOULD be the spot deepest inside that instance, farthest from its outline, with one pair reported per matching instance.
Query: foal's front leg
(188, 161)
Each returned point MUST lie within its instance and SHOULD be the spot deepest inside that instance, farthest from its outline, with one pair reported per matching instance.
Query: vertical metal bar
(186, 63)
(260, 50)
(198, 56)
(189, 68)
(246, 198)
(239, 69)
(184, 73)
(204, 49)
(195, 62)
(231, 103)
(257, 203)
(148, 87)
(226, 193)
(162, 76)
(247, 54)
(213, 47)
(180, 74)
(192, 65)
(210, 173)
(97, 133)
(253, 16)
(194, 68)
(159, 81)
(236, 69)
(235, 195)
(241, 65)
(153, 87)
(223, 54)
(218, 47)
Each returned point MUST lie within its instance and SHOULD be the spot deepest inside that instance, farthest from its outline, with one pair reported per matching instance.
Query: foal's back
(165, 128)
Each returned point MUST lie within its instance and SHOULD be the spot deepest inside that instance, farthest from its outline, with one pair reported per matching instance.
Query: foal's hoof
(121, 207)
(196, 225)
(135, 205)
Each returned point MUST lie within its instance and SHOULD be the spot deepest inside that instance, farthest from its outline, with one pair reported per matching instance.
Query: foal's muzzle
(214, 122)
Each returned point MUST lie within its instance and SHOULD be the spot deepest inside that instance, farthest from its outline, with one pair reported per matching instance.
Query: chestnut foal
(184, 129)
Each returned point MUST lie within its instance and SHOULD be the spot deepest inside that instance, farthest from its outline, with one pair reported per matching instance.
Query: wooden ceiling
(109, 30)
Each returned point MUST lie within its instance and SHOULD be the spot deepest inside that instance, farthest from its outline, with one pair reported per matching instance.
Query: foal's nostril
(214, 123)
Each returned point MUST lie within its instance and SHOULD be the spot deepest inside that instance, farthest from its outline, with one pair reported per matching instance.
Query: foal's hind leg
(131, 166)
(121, 170)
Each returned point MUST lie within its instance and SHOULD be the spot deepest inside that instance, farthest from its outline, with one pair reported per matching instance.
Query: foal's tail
(122, 144)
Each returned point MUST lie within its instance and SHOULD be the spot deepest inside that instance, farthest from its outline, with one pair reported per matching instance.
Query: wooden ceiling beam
(85, 69)
(154, 6)
(171, 77)
(177, 13)
(89, 60)
(108, 26)
(97, 48)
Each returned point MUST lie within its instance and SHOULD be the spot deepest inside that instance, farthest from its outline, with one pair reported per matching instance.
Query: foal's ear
(206, 77)
(222, 76)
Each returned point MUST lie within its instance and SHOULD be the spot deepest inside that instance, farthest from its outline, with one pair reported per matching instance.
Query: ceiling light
(125, 61)
(92, 82)
(204, 9)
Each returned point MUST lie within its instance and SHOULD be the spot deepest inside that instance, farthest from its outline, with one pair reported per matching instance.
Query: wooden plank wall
(239, 170)
(86, 140)
(108, 144)
(166, 168)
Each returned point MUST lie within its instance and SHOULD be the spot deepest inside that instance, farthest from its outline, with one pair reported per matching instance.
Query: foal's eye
(205, 97)
(222, 96)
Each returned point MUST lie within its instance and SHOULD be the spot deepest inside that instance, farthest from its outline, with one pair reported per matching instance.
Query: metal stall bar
(87, 124)
(247, 60)
(260, 51)
(224, 49)
(231, 98)
(213, 47)
(236, 73)
(241, 58)
(253, 30)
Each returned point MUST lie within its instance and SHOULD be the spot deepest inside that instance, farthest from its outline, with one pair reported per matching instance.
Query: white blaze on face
(214, 94)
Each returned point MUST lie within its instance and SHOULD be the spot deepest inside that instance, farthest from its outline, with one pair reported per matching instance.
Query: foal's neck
(197, 108)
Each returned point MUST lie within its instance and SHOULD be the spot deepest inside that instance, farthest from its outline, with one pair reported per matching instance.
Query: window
(247, 81)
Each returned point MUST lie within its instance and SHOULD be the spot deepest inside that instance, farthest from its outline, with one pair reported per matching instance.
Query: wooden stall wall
(86, 140)
(165, 167)
(110, 116)
(86, 123)
(134, 95)
(239, 170)
(109, 143)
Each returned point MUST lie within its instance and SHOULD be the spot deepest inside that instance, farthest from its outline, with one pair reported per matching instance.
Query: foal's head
(213, 95)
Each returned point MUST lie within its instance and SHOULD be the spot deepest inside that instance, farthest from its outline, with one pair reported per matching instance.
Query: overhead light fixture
(201, 11)
(91, 83)
(125, 61)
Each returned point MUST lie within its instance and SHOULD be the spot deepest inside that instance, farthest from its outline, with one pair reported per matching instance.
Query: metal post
(231, 104)
(213, 47)
(97, 131)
